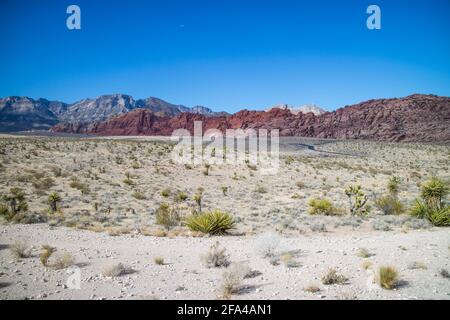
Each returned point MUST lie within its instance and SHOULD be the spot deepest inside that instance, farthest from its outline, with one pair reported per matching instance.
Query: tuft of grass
(159, 261)
(213, 223)
(46, 253)
(216, 257)
(363, 253)
(165, 192)
(64, 261)
(366, 264)
(311, 288)
(20, 250)
(138, 195)
(387, 277)
(182, 196)
(332, 277)
(116, 270)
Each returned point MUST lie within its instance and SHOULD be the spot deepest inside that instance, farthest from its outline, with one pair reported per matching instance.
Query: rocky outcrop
(424, 118)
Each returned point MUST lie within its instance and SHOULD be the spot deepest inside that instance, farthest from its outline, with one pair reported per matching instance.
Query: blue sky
(226, 55)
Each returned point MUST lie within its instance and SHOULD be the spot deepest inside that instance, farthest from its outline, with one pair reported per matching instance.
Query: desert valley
(354, 211)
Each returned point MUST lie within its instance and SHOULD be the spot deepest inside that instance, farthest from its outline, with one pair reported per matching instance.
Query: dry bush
(312, 288)
(20, 250)
(232, 281)
(216, 257)
(63, 261)
(116, 270)
(332, 277)
(159, 260)
(46, 253)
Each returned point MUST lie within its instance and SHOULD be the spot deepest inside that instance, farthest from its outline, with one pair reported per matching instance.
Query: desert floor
(110, 189)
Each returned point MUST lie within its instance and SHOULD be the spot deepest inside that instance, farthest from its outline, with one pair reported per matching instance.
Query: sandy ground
(110, 189)
(184, 277)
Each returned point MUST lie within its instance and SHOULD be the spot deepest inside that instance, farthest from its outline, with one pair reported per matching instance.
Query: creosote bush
(320, 206)
(167, 216)
(389, 205)
(214, 223)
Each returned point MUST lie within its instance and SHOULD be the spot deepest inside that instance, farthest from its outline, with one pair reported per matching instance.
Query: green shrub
(393, 185)
(182, 196)
(432, 207)
(138, 195)
(165, 192)
(441, 217)
(16, 201)
(166, 216)
(320, 206)
(389, 205)
(419, 210)
(214, 223)
(387, 277)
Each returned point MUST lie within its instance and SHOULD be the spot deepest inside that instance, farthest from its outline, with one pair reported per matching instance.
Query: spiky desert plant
(214, 223)
(53, 200)
(393, 185)
(433, 192)
(198, 200)
(16, 200)
(357, 199)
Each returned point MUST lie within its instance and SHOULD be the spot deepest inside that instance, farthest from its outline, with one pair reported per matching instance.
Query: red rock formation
(424, 118)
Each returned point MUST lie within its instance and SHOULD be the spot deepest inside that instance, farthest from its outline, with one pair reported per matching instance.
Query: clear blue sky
(227, 55)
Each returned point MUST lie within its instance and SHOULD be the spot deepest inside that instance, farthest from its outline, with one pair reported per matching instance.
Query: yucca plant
(433, 192)
(53, 200)
(214, 223)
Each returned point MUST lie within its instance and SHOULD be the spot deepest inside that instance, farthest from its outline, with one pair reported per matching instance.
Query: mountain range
(23, 113)
(418, 117)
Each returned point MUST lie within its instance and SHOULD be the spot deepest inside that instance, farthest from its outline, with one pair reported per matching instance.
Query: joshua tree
(53, 200)
(356, 198)
(16, 200)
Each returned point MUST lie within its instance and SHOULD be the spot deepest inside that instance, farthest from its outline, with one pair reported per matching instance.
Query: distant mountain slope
(22, 113)
(316, 110)
(423, 118)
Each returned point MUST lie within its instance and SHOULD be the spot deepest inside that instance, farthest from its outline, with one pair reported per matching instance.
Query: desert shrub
(182, 196)
(393, 185)
(214, 222)
(363, 253)
(320, 206)
(267, 244)
(433, 192)
(20, 250)
(116, 270)
(53, 200)
(225, 191)
(45, 255)
(198, 200)
(216, 257)
(332, 277)
(387, 277)
(165, 192)
(357, 200)
(4, 212)
(232, 281)
(389, 205)
(159, 260)
(432, 206)
(440, 217)
(138, 195)
(43, 184)
(76, 184)
(312, 288)
(260, 189)
(167, 216)
(63, 261)
(16, 201)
